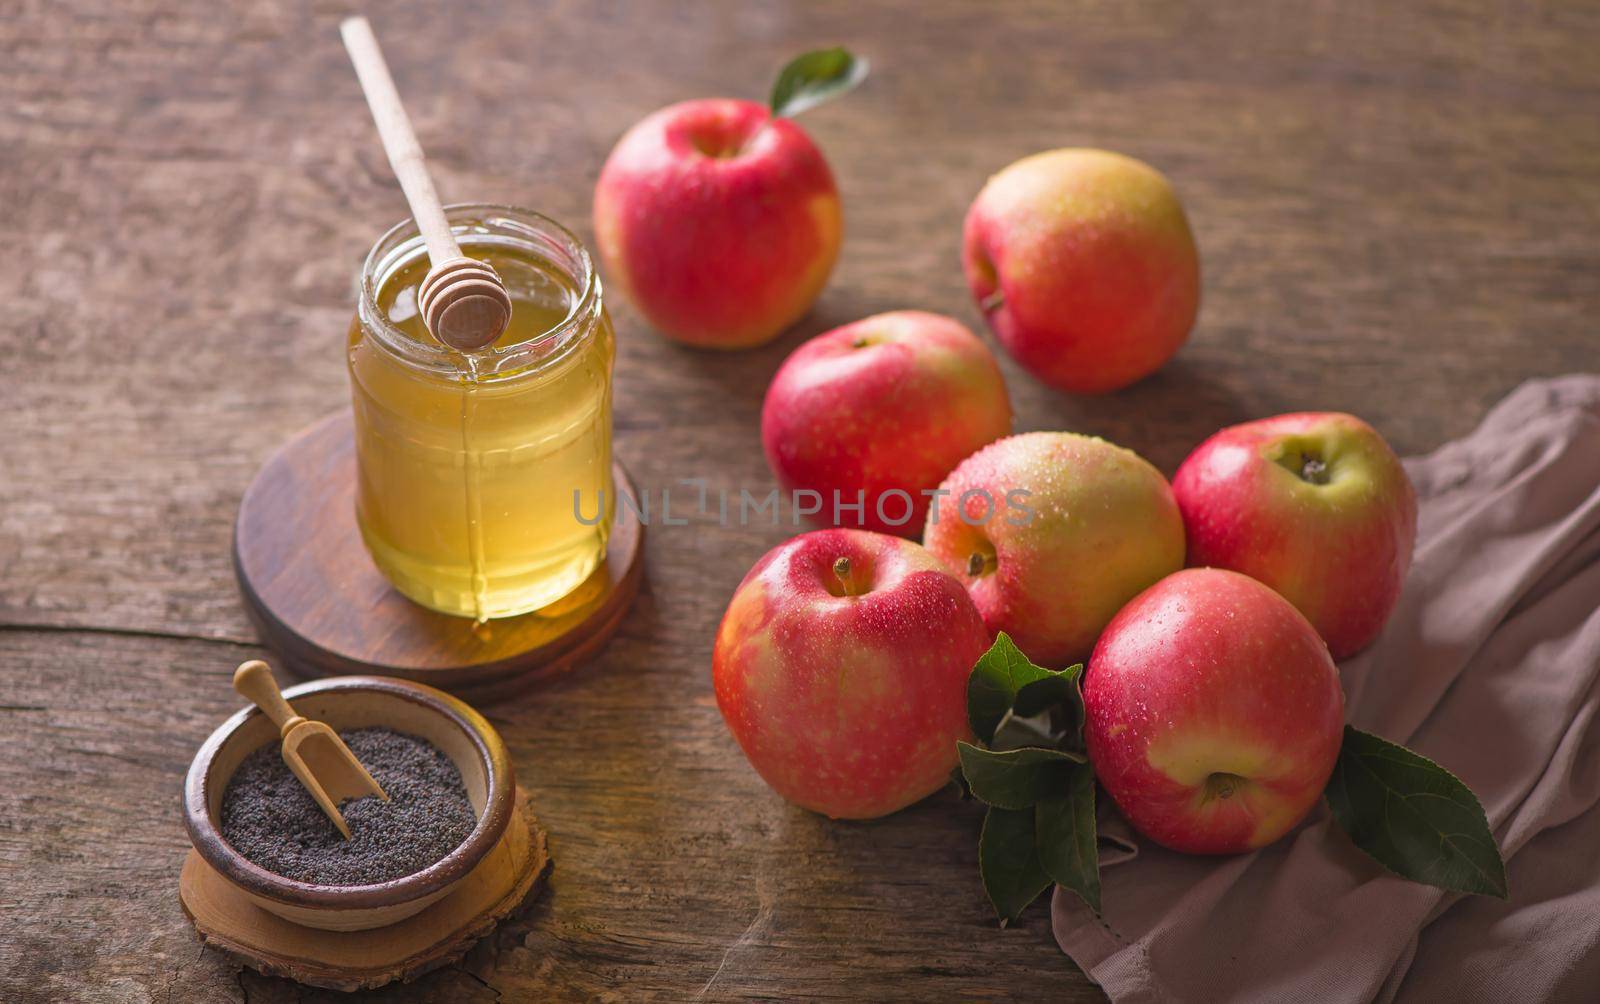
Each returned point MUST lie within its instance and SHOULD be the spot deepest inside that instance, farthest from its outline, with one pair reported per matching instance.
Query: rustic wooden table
(1399, 215)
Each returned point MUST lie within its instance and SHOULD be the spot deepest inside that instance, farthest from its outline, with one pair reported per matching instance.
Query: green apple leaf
(1035, 777)
(1015, 779)
(1060, 689)
(1039, 695)
(1009, 862)
(1065, 834)
(1000, 675)
(814, 78)
(1416, 818)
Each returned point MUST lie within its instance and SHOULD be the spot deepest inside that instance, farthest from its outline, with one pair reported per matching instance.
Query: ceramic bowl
(352, 702)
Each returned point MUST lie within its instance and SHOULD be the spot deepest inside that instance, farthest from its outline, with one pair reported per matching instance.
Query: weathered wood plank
(1398, 212)
(675, 867)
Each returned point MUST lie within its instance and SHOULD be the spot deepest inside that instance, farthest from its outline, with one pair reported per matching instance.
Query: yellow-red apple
(1317, 506)
(1214, 713)
(1053, 532)
(720, 221)
(1084, 265)
(874, 414)
(841, 668)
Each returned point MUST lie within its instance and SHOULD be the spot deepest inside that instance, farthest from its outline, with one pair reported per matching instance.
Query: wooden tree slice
(323, 607)
(508, 876)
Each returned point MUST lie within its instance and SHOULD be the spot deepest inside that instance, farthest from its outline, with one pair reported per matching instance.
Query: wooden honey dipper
(462, 300)
(314, 752)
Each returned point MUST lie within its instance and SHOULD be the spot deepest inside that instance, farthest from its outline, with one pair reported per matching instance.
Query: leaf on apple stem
(1015, 779)
(1034, 776)
(1058, 690)
(1001, 678)
(1066, 838)
(814, 78)
(1035, 697)
(1013, 877)
(1415, 817)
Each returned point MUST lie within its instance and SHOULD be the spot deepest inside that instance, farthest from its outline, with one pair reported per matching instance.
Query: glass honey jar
(471, 466)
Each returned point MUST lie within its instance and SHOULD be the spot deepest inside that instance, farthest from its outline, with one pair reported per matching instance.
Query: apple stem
(979, 563)
(841, 571)
(1222, 785)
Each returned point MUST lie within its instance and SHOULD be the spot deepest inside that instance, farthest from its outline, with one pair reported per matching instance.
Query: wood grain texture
(322, 606)
(1398, 214)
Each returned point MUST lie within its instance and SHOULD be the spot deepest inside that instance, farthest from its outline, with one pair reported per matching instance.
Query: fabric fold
(1490, 665)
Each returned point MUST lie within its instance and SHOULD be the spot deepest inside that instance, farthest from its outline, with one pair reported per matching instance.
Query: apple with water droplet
(1084, 265)
(1214, 713)
(1314, 504)
(877, 412)
(841, 669)
(719, 220)
(1052, 532)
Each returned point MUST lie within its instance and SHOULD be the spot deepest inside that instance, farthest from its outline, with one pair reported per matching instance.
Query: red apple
(1315, 505)
(719, 221)
(1053, 532)
(888, 404)
(1084, 265)
(841, 668)
(1214, 713)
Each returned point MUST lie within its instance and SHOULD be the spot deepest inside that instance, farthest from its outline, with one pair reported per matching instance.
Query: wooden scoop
(463, 301)
(316, 754)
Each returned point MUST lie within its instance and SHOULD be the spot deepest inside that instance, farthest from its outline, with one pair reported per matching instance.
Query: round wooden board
(508, 876)
(323, 607)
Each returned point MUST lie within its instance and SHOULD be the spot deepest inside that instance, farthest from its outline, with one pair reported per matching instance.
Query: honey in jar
(484, 487)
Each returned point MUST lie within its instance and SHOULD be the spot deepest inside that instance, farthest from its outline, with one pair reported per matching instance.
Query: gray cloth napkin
(1490, 666)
